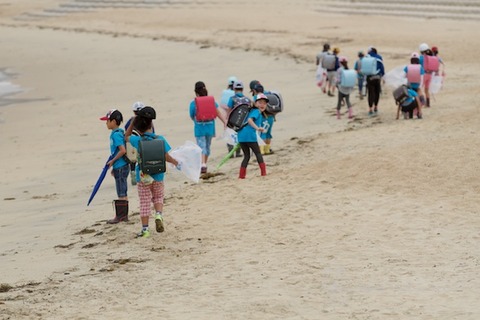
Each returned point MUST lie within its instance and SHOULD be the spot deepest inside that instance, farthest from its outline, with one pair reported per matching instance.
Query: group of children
(150, 187)
(203, 110)
(369, 70)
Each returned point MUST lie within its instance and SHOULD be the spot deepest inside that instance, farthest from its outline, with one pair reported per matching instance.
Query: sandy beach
(368, 218)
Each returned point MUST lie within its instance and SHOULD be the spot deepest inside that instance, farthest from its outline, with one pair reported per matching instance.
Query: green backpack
(151, 155)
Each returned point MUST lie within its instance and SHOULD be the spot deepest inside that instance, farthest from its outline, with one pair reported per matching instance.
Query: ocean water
(7, 88)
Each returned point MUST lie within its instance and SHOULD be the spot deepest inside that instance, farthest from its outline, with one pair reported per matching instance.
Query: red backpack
(205, 109)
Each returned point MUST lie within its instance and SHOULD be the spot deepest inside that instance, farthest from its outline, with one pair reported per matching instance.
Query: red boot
(243, 173)
(263, 169)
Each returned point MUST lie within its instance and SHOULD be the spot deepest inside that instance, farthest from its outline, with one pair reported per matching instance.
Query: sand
(370, 218)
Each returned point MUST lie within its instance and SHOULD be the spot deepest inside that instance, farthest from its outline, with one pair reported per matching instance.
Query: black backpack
(151, 155)
(275, 103)
(237, 117)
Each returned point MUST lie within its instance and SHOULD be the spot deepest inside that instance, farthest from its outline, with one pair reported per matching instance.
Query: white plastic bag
(395, 77)
(436, 84)
(230, 136)
(320, 75)
(190, 157)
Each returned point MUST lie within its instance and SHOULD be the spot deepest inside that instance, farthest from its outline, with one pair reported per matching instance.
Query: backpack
(431, 63)
(368, 66)
(132, 153)
(237, 119)
(328, 61)
(275, 103)
(349, 78)
(401, 94)
(205, 109)
(414, 73)
(151, 155)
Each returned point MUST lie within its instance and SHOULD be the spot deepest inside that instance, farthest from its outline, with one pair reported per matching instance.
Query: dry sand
(371, 218)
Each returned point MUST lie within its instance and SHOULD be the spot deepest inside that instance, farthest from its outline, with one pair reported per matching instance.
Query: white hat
(231, 80)
(238, 84)
(423, 47)
(138, 106)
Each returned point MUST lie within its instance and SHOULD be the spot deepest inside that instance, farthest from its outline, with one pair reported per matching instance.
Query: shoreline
(365, 219)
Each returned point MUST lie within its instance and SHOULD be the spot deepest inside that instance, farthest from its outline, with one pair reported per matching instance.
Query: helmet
(423, 47)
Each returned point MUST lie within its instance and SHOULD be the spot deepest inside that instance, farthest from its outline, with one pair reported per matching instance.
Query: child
(118, 164)
(135, 107)
(204, 130)
(409, 105)
(361, 77)
(247, 136)
(344, 89)
(414, 73)
(150, 188)
(331, 73)
(232, 102)
(267, 123)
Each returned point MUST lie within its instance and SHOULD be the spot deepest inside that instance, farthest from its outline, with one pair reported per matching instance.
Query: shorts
(148, 194)
(331, 76)
(121, 175)
(268, 134)
(204, 143)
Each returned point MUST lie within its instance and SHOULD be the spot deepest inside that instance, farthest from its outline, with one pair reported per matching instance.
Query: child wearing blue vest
(204, 130)
(150, 187)
(409, 105)
(119, 165)
(344, 90)
(247, 136)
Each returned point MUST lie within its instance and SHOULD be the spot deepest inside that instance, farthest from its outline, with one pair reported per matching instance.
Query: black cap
(253, 83)
(258, 87)
(147, 112)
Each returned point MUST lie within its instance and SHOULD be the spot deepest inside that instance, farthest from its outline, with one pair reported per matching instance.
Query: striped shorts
(148, 194)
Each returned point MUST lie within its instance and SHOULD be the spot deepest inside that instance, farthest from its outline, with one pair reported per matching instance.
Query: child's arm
(254, 126)
(171, 159)
(121, 152)
(129, 131)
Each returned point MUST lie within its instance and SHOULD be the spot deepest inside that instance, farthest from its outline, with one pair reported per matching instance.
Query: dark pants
(246, 146)
(374, 89)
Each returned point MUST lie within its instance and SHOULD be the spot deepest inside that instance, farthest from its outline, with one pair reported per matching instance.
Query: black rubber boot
(121, 211)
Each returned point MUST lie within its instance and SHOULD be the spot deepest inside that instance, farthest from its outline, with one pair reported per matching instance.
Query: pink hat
(343, 59)
(414, 55)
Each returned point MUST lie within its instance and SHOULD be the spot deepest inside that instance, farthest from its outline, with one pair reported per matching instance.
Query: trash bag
(190, 157)
(395, 77)
(436, 84)
(320, 75)
(230, 136)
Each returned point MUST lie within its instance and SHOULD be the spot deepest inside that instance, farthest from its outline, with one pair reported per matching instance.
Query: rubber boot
(350, 113)
(262, 149)
(121, 211)
(263, 169)
(133, 177)
(422, 100)
(230, 148)
(267, 149)
(243, 173)
(338, 114)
